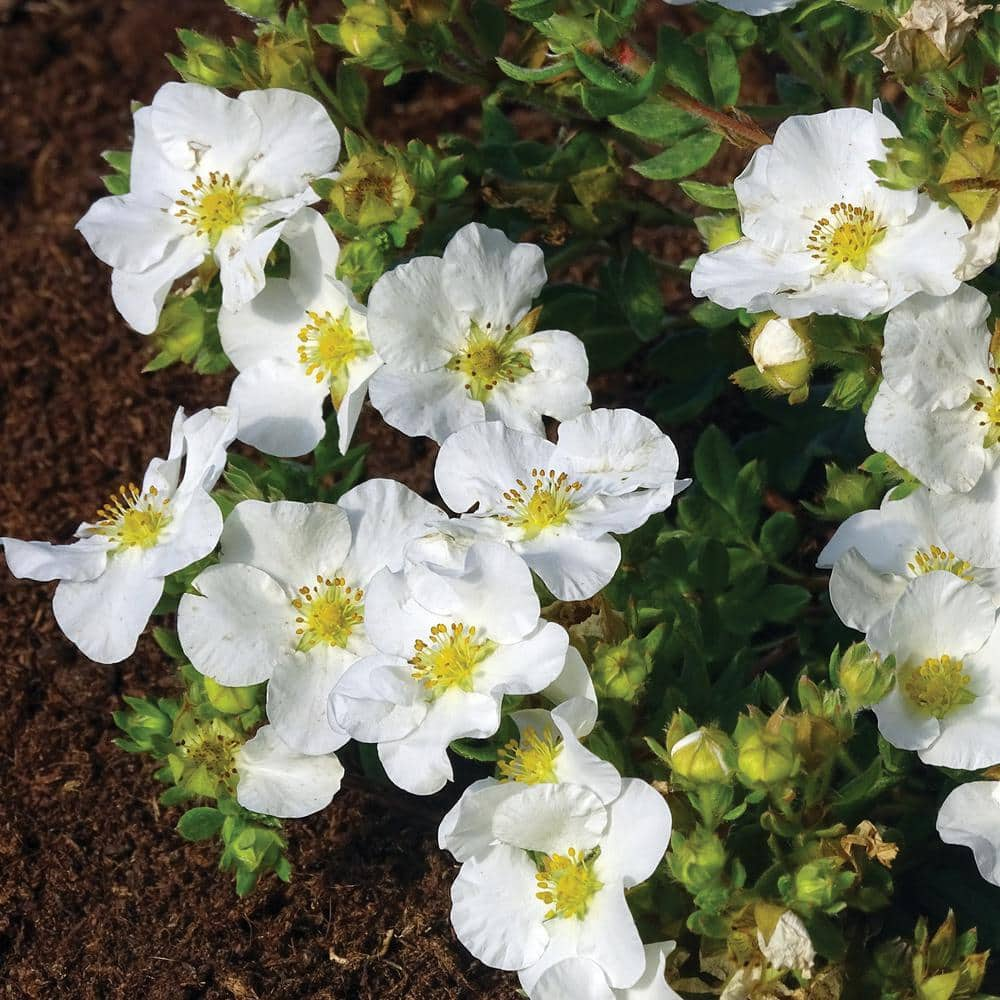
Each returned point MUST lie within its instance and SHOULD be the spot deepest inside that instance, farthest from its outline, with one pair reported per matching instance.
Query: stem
(738, 131)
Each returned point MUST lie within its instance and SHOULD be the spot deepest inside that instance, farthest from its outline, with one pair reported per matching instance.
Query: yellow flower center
(329, 612)
(485, 361)
(532, 760)
(986, 402)
(211, 745)
(133, 519)
(327, 345)
(545, 504)
(938, 559)
(845, 237)
(938, 686)
(448, 660)
(567, 884)
(212, 207)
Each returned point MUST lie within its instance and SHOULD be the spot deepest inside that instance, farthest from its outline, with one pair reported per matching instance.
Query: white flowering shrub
(716, 732)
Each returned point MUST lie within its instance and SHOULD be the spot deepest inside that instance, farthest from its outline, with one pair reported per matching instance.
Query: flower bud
(231, 700)
(359, 28)
(863, 676)
(766, 754)
(621, 670)
(782, 352)
(719, 230)
(703, 757)
(697, 861)
(818, 884)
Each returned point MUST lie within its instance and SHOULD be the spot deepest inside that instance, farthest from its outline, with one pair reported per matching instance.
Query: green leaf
(532, 10)
(200, 823)
(658, 121)
(683, 66)
(475, 750)
(639, 294)
(167, 640)
(681, 159)
(715, 465)
(599, 72)
(353, 93)
(524, 75)
(490, 23)
(782, 602)
(710, 195)
(779, 535)
(713, 566)
(723, 70)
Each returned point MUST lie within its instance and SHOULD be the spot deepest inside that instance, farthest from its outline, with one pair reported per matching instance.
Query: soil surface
(99, 897)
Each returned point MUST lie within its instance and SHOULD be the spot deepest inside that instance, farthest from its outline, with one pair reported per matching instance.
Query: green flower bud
(206, 60)
(620, 671)
(719, 230)
(819, 884)
(703, 757)
(782, 351)
(372, 190)
(766, 752)
(697, 861)
(231, 700)
(863, 676)
(359, 28)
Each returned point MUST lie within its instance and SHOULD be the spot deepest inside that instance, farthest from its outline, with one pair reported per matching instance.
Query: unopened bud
(359, 28)
(863, 676)
(697, 861)
(703, 757)
(819, 884)
(231, 700)
(719, 230)
(782, 352)
(766, 754)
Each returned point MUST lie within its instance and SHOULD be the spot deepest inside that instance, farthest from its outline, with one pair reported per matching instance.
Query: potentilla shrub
(681, 790)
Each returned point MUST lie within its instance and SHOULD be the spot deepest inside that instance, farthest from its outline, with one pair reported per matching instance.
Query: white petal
(860, 595)
(490, 279)
(638, 832)
(494, 909)
(266, 328)
(82, 560)
(573, 568)
(980, 245)
(525, 667)
(574, 683)
(577, 765)
(191, 536)
(419, 762)
(206, 436)
(549, 818)
(901, 725)
(651, 985)
(609, 937)
(888, 537)
(276, 781)
(280, 408)
(942, 448)
(464, 479)
(139, 295)
(579, 978)
(314, 254)
(937, 614)
(104, 617)
(298, 693)
(384, 516)
(968, 522)
(349, 411)
(467, 828)
(241, 255)
(970, 816)
(201, 130)
(936, 348)
(377, 699)
(412, 325)
(292, 542)
(297, 144)
(240, 628)
(129, 232)
(434, 403)
(151, 174)
(522, 404)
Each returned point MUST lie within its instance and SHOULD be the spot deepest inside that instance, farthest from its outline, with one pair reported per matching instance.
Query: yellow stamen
(985, 400)
(567, 883)
(133, 519)
(450, 658)
(327, 345)
(212, 207)
(846, 237)
(938, 686)
(938, 559)
(532, 760)
(487, 360)
(330, 611)
(546, 503)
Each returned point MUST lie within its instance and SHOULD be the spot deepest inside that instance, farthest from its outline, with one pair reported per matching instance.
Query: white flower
(548, 751)
(946, 702)
(301, 341)
(970, 817)
(981, 244)
(111, 579)
(451, 640)
(780, 353)
(755, 8)
(210, 176)
(788, 946)
(528, 912)
(556, 504)
(937, 411)
(457, 335)
(820, 235)
(876, 552)
(277, 781)
(582, 979)
(286, 601)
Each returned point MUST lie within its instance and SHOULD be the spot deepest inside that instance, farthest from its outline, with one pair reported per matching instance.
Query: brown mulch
(99, 897)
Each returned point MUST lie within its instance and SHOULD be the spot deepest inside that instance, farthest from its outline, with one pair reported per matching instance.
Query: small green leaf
(723, 70)
(639, 294)
(681, 159)
(715, 465)
(524, 75)
(200, 823)
(710, 195)
(779, 535)
(684, 67)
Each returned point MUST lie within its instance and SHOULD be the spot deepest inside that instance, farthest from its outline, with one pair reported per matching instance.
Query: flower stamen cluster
(549, 504)
(330, 613)
(938, 686)
(846, 237)
(532, 759)
(133, 519)
(448, 660)
(213, 207)
(327, 345)
(567, 883)
(935, 558)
